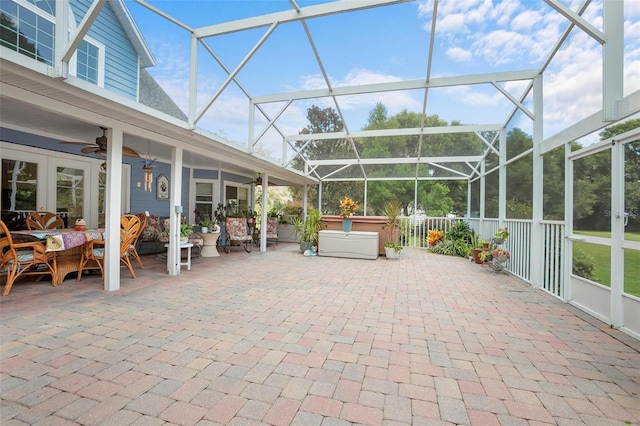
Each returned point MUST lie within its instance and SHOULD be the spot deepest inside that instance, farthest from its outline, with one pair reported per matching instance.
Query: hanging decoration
(148, 169)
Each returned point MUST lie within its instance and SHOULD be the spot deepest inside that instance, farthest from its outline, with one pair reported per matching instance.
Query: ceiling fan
(258, 181)
(100, 147)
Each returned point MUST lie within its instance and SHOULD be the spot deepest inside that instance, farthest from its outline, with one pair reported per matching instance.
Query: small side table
(209, 244)
(188, 247)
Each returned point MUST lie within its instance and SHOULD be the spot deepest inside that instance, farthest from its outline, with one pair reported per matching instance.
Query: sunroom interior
(495, 96)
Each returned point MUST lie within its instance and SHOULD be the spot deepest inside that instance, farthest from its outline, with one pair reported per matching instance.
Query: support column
(175, 200)
(537, 237)
(113, 202)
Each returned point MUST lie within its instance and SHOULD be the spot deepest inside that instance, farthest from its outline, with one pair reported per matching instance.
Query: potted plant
(348, 207)
(501, 235)
(307, 230)
(476, 247)
(185, 231)
(392, 250)
(207, 225)
(221, 220)
(392, 210)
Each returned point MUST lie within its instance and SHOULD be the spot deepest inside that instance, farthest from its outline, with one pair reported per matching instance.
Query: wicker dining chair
(94, 250)
(24, 258)
(133, 249)
(44, 220)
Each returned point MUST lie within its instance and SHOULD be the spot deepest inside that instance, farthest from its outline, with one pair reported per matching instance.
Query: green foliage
(307, 229)
(391, 245)
(452, 247)
(456, 241)
(583, 264)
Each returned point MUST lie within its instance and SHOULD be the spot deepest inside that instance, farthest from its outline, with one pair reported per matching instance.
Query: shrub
(451, 247)
(583, 264)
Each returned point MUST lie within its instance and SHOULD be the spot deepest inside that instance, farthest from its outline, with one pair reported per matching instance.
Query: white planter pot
(204, 230)
(391, 253)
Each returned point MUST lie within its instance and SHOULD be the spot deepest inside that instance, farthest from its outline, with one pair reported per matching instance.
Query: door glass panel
(69, 194)
(632, 272)
(237, 200)
(204, 201)
(19, 191)
(592, 195)
(592, 261)
(632, 217)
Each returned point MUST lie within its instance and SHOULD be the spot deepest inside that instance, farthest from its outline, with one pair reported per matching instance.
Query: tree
(326, 121)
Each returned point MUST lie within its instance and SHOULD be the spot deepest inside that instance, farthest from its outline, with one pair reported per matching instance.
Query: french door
(38, 180)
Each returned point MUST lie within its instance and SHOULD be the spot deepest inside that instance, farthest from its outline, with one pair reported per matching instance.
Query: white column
(537, 243)
(112, 231)
(175, 199)
(263, 216)
(613, 59)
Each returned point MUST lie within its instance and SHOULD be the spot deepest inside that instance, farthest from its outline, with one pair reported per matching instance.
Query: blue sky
(388, 43)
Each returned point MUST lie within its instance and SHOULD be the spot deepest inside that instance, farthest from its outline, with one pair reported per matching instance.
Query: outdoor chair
(237, 232)
(272, 229)
(94, 250)
(23, 258)
(132, 249)
(44, 220)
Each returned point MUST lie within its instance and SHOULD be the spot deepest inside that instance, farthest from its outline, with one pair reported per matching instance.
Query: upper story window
(87, 62)
(27, 29)
(48, 6)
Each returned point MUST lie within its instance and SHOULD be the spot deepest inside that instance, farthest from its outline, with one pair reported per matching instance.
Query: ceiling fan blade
(130, 152)
(90, 149)
(77, 143)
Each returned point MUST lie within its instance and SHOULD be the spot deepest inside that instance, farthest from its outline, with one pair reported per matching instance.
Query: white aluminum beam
(291, 16)
(83, 28)
(235, 72)
(400, 85)
(408, 160)
(578, 20)
(396, 132)
(628, 106)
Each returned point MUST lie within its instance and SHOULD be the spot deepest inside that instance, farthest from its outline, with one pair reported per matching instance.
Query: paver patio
(279, 338)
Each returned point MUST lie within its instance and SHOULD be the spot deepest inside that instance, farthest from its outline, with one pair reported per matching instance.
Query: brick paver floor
(279, 338)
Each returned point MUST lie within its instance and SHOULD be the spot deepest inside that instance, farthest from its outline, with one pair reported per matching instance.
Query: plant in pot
(207, 225)
(501, 235)
(348, 207)
(476, 246)
(307, 230)
(221, 219)
(392, 210)
(185, 231)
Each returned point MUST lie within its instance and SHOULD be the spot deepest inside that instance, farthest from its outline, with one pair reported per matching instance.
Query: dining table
(66, 244)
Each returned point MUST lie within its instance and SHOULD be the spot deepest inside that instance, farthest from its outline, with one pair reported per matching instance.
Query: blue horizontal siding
(121, 58)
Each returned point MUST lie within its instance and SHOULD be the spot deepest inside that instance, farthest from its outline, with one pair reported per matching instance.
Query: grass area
(601, 256)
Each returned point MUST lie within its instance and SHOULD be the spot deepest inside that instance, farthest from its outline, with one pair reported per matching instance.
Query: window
(88, 62)
(27, 30)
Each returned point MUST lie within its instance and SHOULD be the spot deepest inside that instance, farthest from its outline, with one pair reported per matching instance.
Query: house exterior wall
(121, 59)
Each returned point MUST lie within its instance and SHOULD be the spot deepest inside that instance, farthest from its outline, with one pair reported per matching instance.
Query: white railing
(414, 233)
(519, 245)
(554, 249)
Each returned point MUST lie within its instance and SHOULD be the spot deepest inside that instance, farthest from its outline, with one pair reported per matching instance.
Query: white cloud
(458, 54)
(526, 20)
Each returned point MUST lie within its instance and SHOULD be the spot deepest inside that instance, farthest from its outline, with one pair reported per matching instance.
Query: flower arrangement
(435, 235)
(501, 254)
(348, 206)
(502, 233)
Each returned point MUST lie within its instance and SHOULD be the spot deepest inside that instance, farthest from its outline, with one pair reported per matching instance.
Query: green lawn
(602, 260)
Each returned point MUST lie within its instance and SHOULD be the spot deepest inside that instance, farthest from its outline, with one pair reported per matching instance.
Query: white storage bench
(354, 245)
